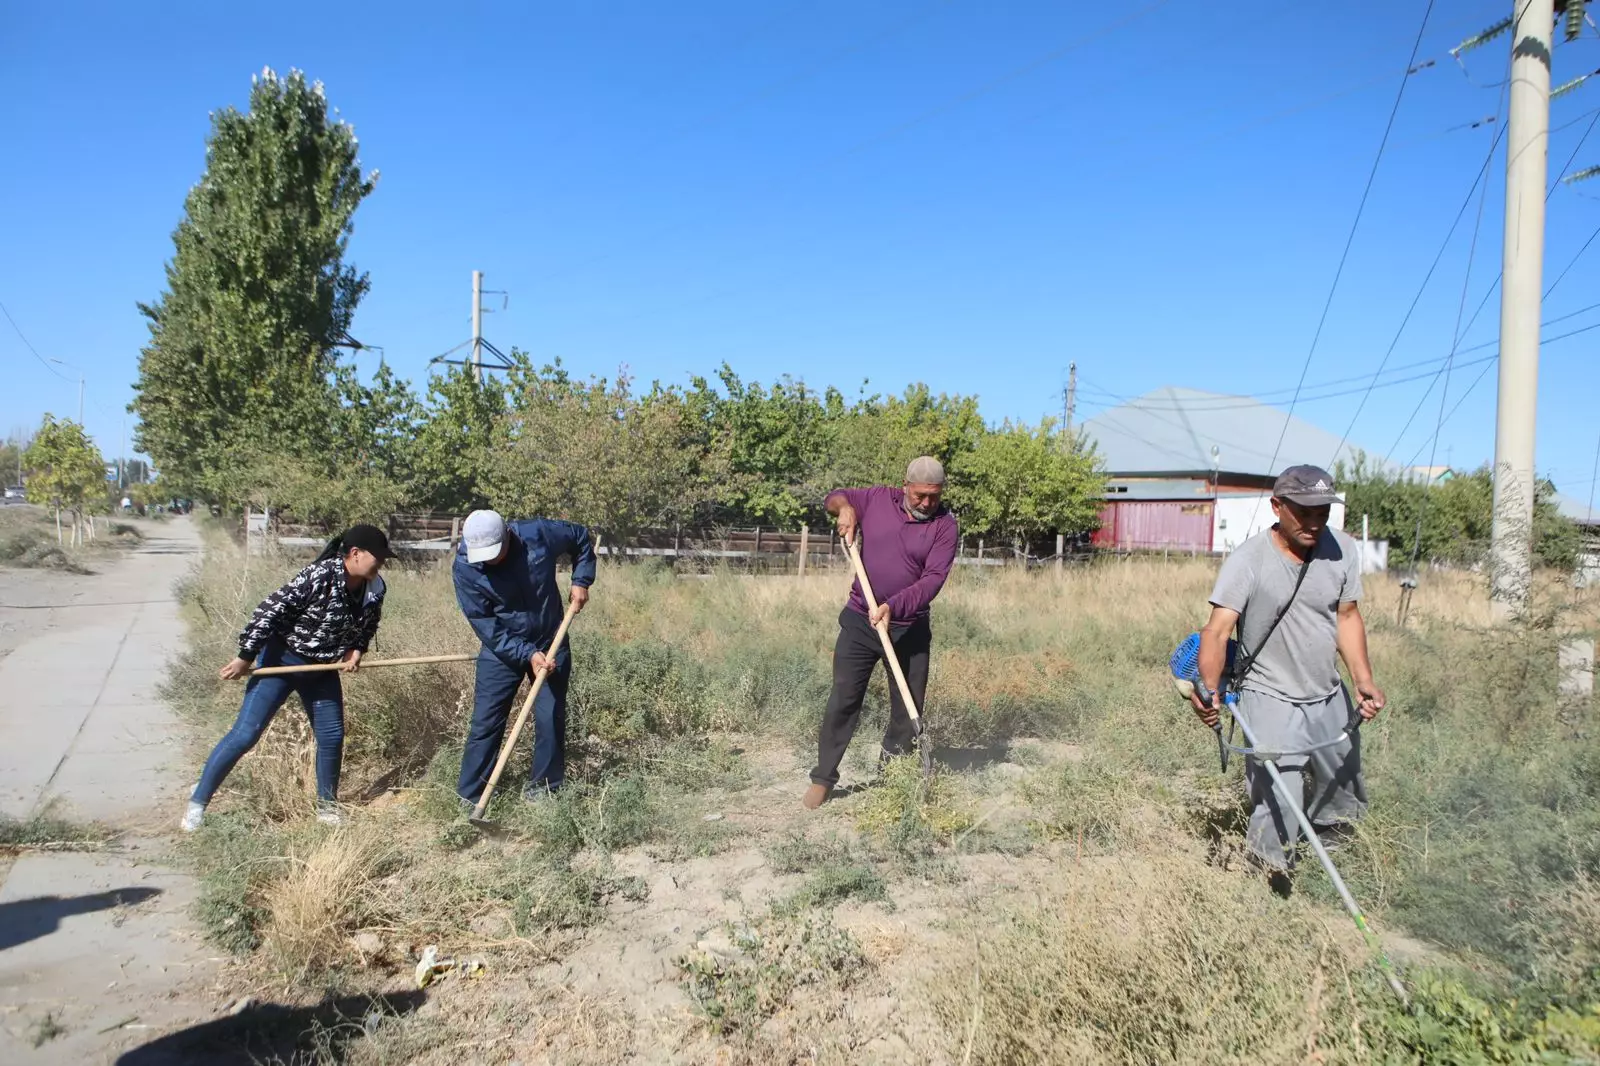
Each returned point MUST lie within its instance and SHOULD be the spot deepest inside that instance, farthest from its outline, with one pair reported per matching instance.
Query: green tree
(288, 485)
(377, 427)
(241, 355)
(775, 437)
(11, 453)
(459, 434)
(1018, 483)
(871, 441)
(64, 470)
(594, 453)
(1448, 522)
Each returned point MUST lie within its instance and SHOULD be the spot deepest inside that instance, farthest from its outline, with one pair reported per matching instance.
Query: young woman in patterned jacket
(328, 613)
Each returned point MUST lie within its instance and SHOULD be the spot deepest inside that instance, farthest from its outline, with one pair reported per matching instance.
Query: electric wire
(26, 343)
(1479, 180)
(1355, 224)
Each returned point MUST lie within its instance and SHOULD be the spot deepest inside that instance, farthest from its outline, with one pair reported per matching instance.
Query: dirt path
(94, 946)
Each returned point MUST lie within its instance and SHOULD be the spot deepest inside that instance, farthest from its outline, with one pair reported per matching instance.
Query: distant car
(16, 492)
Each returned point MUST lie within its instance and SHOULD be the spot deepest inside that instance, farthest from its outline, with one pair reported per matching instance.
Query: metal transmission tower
(477, 342)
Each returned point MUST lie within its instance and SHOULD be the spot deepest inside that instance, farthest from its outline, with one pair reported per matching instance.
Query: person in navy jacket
(505, 580)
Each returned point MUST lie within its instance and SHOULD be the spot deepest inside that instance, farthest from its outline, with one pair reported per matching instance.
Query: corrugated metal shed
(1155, 525)
(1171, 432)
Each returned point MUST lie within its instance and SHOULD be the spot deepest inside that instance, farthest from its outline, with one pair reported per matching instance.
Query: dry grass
(1161, 959)
(1109, 930)
(331, 890)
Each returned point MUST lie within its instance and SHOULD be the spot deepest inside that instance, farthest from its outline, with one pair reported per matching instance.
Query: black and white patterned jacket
(317, 615)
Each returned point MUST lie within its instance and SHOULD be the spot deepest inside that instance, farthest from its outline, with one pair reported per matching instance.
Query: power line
(1495, 284)
(1272, 397)
(29, 345)
(1488, 364)
(1455, 342)
(1466, 202)
(1355, 224)
(1594, 475)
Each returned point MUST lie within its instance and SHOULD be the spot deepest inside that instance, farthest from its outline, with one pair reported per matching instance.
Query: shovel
(893, 659)
(476, 817)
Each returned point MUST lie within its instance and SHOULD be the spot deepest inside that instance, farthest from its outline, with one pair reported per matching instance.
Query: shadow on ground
(272, 1032)
(966, 760)
(29, 919)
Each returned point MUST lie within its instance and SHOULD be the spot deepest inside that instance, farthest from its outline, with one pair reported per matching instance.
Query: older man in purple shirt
(908, 544)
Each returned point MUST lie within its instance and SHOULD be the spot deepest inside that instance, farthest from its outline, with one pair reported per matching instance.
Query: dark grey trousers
(855, 656)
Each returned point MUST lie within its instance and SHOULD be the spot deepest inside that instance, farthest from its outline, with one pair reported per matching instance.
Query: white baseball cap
(483, 534)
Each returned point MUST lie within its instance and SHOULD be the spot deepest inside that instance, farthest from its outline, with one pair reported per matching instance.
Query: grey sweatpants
(1327, 783)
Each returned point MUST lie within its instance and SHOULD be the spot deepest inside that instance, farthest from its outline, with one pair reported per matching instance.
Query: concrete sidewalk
(100, 942)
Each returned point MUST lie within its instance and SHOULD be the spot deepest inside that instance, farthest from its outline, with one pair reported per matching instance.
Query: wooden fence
(760, 548)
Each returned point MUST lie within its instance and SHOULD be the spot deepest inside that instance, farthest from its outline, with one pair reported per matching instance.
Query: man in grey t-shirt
(1291, 693)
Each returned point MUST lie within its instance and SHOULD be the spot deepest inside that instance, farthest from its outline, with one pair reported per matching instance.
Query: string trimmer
(1186, 673)
(893, 659)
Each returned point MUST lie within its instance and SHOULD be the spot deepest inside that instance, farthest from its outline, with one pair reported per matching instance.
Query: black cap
(369, 539)
(1309, 486)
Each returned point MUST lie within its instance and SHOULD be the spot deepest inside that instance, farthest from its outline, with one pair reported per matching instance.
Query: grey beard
(921, 516)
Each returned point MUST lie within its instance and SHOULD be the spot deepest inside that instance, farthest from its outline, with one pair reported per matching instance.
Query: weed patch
(910, 814)
(236, 863)
(773, 960)
(45, 832)
(832, 885)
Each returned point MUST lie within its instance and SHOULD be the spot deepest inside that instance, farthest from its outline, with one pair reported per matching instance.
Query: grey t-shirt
(1298, 663)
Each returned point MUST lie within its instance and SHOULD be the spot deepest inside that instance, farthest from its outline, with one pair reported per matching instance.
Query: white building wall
(1237, 518)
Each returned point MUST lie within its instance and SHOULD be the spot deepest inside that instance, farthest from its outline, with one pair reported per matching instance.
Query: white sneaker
(193, 815)
(328, 814)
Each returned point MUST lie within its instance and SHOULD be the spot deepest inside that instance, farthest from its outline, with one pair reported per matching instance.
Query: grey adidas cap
(1309, 486)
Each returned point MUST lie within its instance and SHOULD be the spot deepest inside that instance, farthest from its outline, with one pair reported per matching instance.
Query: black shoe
(1333, 837)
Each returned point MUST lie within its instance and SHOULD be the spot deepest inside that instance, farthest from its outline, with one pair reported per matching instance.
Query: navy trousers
(493, 695)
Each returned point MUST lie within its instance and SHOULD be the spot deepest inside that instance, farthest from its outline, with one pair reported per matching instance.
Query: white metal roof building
(1172, 432)
(1191, 471)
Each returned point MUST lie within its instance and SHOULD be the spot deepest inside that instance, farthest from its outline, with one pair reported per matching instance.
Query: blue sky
(966, 194)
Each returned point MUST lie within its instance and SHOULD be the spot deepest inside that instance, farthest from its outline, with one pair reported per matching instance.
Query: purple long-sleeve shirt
(906, 560)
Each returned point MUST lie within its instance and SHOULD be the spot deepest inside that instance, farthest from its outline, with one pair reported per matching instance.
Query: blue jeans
(492, 696)
(320, 694)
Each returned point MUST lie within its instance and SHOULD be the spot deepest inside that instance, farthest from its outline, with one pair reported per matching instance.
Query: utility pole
(1069, 398)
(477, 325)
(1527, 148)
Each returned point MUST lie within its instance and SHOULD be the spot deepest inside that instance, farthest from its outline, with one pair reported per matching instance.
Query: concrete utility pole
(1070, 400)
(1527, 148)
(477, 325)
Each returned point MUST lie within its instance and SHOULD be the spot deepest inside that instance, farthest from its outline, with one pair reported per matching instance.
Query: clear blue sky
(966, 194)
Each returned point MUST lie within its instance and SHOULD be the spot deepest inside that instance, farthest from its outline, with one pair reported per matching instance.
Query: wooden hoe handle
(522, 716)
(307, 668)
(883, 633)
